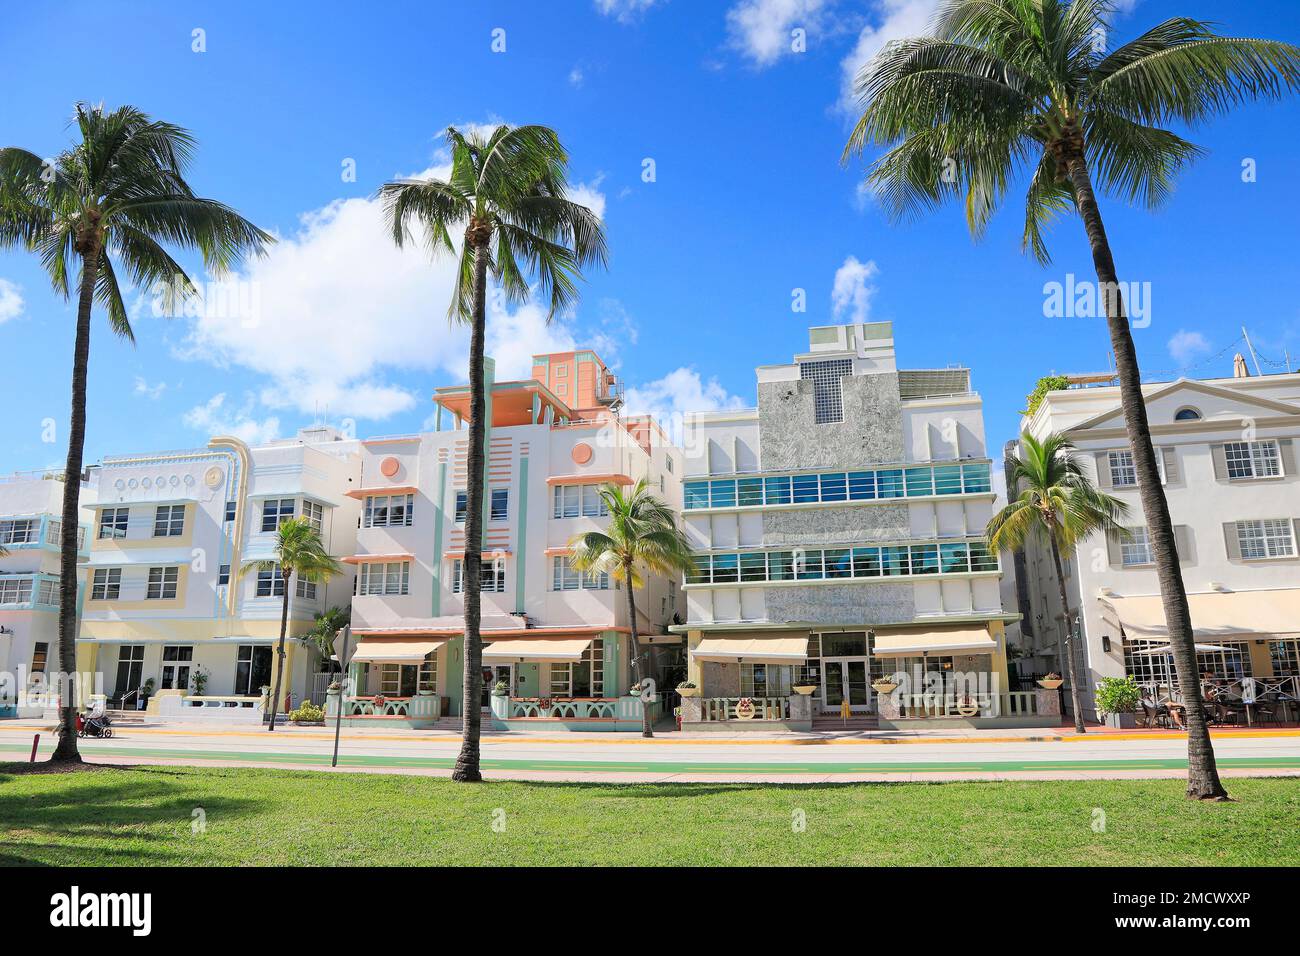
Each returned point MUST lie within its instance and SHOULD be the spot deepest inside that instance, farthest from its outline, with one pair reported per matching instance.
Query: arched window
(1187, 415)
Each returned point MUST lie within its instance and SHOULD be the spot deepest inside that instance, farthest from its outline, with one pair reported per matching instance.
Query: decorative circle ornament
(212, 477)
(581, 453)
(388, 467)
(745, 709)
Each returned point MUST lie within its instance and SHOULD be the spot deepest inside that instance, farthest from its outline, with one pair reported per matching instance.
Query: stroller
(96, 723)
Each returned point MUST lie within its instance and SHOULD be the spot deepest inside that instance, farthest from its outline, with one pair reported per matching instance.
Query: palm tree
(507, 191)
(298, 550)
(1055, 499)
(116, 196)
(1004, 87)
(325, 629)
(642, 536)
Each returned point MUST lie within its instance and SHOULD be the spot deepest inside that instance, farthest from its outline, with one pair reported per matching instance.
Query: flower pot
(1121, 721)
(688, 691)
(1051, 684)
(884, 687)
(804, 689)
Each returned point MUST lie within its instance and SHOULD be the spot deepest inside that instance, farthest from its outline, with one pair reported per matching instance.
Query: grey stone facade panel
(819, 526)
(871, 433)
(865, 604)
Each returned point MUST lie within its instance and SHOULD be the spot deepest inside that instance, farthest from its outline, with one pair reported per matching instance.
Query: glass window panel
(925, 559)
(805, 488)
(839, 562)
(976, 478)
(777, 490)
(808, 566)
(894, 560)
(701, 573)
(753, 566)
(862, 486)
(980, 558)
(866, 562)
(920, 481)
(947, 479)
(780, 566)
(722, 494)
(697, 494)
(834, 487)
(953, 558)
(725, 568)
(889, 483)
(749, 491)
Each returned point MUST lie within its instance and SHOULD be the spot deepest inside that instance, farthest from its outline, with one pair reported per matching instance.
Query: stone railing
(565, 708)
(421, 706)
(761, 708)
(213, 707)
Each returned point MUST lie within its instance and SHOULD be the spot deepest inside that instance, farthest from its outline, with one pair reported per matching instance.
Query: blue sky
(748, 203)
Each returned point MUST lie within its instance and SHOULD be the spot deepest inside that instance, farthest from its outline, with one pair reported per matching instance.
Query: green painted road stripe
(676, 766)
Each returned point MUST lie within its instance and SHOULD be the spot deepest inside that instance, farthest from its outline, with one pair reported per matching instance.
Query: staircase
(831, 723)
(126, 716)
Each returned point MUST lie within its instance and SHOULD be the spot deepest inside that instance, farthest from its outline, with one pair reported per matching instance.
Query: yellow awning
(753, 649)
(915, 642)
(1215, 614)
(382, 651)
(560, 651)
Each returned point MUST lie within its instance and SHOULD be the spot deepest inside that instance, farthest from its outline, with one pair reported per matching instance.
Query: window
(112, 522)
(387, 578)
(765, 680)
(500, 504)
(177, 659)
(827, 378)
(584, 678)
(40, 655)
(47, 592)
(831, 563)
(833, 487)
(462, 505)
(270, 583)
(1270, 538)
(404, 680)
(106, 584)
(15, 590)
(162, 584)
(1123, 474)
(274, 511)
(231, 507)
(1285, 655)
(54, 534)
(570, 501)
(223, 575)
(564, 577)
(492, 576)
(1135, 548)
(1187, 415)
(305, 589)
(314, 513)
(252, 669)
(1252, 459)
(389, 511)
(169, 521)
(18, 531)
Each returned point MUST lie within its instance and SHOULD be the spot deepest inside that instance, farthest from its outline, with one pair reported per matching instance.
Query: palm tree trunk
(1202, 773)
(1068, 640)
(646, 729)
(467, 761)
(284, 629)
(66, 748)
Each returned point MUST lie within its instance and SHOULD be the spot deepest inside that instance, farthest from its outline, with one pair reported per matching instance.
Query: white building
(1226, 450)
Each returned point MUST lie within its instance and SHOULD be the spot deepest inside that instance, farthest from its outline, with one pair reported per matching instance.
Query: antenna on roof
(1253, 356)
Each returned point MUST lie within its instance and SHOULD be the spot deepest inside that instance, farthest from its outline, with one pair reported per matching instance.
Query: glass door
(492, 673)
(130, 668)
(845, 679)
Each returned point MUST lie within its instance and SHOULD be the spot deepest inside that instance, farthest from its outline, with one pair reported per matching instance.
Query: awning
(378, 651)
(560, 651)
(753, 649)
(1161, 650)
(1215, 614)
(916, 643)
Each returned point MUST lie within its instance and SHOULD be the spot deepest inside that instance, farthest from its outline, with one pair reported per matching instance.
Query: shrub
(307, 712)
(1118, 695)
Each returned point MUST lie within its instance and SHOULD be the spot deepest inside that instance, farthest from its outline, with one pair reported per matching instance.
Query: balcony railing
(424, 706)
(566, 708)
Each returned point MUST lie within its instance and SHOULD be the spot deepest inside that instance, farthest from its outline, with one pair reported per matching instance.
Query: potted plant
(1117, 701)
(424, 691)
(804, 688)
(501, 689)
(200, 681)
(146, 691)
(688, 689)
(884, 684)
(1050, 681)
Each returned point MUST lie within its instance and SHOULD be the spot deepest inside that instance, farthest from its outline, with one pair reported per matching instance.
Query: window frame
(111, 582)
(162, 578)
(112, 524)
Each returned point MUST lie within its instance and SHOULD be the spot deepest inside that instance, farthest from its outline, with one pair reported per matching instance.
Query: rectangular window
(953, 559)
(753, 566)
(925, 559)
(1135, 549)
(106, 584)
(47, 592)
(828, 380)
(889, 483)
(231, 507)
(1285, 654)
(1270, 538)
(586, 678)
(223, 575)
(40, 657)
(947, 480)
(315, 515)
(564, 577)
(162, 584)
(838, 562)
(806, 488)
(725, 568)
(777, 490)
(462, 506)
(981, 559)
(492, 577)
(749, 492)
(388, 511)
(765, 680)
(305, 589)
(177, 659)
(862, 485)
(112, 522)
(834, 487)
(18, 531)
(1123, 474)
(274, 511)
(270, 583)
(976, 479)
(920, 481)
(15, 590)
(385, 578)
(500, 504)
(866, 562)
(593, 505)
(1252, 459)
(696, 492)
(169, 521)
(722, 494)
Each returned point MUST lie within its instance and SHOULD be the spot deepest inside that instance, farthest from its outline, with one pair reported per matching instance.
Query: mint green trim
(613, 687)
(437, 538)
(521, 549)
(455, 678)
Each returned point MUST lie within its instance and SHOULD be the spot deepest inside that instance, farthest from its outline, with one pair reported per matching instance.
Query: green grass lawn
(144, 815)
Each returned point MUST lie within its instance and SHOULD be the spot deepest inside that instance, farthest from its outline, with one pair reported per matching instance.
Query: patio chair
(1154, 714)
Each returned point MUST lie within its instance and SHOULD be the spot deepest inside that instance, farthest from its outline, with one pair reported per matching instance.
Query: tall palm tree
(298, 550)
(507, 192)
(117, 195)
(1055, 499)
(642, 536)
(1008, 87)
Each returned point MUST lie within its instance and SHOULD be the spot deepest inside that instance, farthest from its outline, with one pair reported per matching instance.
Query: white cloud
(341, 310)
(625, 11)
(576, 77)
(890, 20)
(215, 418)
(853, 289)
(677, 394)
(761, 28)
(589, 195)
(11, 301)
(152, 392)
(1186, 347)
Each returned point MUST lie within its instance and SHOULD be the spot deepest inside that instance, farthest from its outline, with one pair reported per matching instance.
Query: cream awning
(560, 651)
(753, 649)
(1215, 614)
(916, 643)
(376, 651)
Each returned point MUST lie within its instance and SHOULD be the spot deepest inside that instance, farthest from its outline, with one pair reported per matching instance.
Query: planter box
(1121, 721)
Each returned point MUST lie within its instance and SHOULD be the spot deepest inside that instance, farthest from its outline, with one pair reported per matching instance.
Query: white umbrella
(1166, 649)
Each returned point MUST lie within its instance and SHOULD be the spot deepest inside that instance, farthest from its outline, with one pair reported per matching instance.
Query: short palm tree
(642, 537)
(506, 197)
(1054, 499)
(1009, 87)
(101, 210)
(325, 628)
(298, 550)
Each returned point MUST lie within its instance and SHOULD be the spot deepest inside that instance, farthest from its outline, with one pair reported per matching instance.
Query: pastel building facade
(1226, 449)
(165, 598)
(839, 536)
(31, 525)
(556, 641)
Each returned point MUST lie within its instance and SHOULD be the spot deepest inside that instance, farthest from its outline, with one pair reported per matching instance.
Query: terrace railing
(764, 708)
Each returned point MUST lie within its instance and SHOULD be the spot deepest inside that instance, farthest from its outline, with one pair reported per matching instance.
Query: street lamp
(341, 660)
